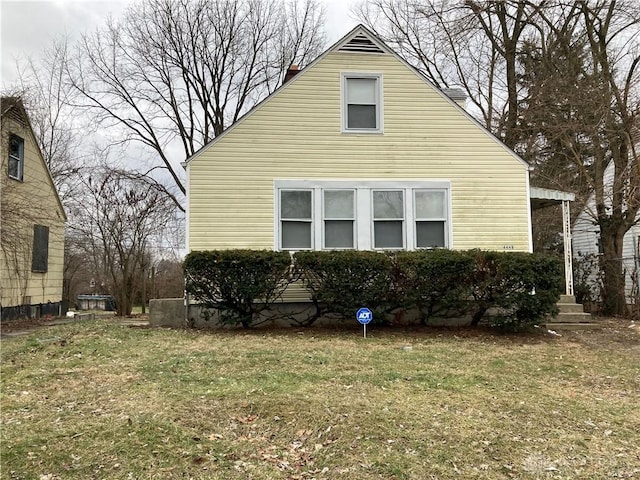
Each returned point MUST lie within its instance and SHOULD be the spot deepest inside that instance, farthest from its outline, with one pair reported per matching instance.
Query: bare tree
(469, 44)
(117, 221)
(176, 73)
(581, 113)
(48, 98)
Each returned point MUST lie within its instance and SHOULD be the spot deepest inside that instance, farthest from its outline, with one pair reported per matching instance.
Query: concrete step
(572, 326)
(567, 299)
(573, 317)
(570, 307)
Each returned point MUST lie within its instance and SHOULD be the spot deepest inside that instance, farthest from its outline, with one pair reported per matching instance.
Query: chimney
(292, 71)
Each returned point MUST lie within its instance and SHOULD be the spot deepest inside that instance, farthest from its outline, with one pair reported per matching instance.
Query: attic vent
(361, 43)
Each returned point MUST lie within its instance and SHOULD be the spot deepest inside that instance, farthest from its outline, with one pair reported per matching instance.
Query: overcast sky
(29, 26)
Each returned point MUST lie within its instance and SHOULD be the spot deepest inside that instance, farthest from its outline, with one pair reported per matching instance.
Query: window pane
(388, 205)
(361, 90)
(362, 116)
(430, 204)
(296, 235)
(15, 144)
(295, 204)
(430, 234)
(387, 235)
(338, 204)
(338, 234)
(14, 167)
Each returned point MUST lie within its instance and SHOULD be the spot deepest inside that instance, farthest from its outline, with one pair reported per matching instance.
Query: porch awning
(545, 197)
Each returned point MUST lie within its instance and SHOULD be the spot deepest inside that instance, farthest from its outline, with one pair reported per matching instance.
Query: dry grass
(107, 401)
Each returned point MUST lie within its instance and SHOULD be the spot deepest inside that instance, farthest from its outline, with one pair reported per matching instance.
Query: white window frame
(444, 219)
(305, 220)
(344, 111)
(363, 226)
(403, 220)
(19, 158)
(354, 219)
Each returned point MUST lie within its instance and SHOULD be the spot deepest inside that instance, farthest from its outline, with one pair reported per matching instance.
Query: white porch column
(568, 253)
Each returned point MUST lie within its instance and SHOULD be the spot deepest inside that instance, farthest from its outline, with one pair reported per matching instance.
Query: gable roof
(364, 41)
(14, 107)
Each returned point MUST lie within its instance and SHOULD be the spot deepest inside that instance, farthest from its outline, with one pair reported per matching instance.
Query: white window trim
(312, 221)
(445, 219)
(363, 208)
(379, 102)
(403, 220)
(354, 219)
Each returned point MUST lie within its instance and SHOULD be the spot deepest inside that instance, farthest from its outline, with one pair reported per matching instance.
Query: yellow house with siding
(31, 221)
(357, 151)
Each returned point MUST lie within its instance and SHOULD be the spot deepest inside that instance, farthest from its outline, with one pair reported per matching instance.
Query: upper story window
(16, 157)
(362, 102)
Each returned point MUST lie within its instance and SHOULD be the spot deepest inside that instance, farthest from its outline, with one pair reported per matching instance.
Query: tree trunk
(613, 290)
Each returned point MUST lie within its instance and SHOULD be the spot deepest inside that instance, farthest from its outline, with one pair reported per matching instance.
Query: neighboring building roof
(14, 107)
(362, 40)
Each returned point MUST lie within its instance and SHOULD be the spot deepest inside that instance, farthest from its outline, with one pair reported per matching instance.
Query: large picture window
(362, 103)
(362, 215)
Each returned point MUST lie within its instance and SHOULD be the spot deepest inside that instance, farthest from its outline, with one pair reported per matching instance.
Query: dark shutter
(40, 259)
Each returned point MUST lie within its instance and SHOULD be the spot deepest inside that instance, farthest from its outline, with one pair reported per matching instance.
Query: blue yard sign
(364, 316)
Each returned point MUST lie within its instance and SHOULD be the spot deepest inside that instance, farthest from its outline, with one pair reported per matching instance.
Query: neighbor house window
(362, 215)
(339, 218)
(362, 103)
(430, 217)
(40, 258)
(16, 157)
(296, 207)
(388, 219)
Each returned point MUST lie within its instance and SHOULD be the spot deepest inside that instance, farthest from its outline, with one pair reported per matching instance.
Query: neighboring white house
(586, 240)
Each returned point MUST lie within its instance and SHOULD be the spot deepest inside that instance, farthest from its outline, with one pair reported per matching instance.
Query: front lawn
(105, 401)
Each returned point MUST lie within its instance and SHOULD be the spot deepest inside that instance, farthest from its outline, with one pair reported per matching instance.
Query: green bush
(342, 281)
(522, 288)
(436, 282)
(239, 284)
(510, 290)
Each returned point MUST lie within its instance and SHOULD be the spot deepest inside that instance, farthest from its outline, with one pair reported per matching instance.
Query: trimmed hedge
(342, 281)
(436, 282)
(239, 284)
(522, 288)
(509, 290)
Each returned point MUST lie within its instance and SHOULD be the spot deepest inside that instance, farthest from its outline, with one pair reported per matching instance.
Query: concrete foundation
(173, 312)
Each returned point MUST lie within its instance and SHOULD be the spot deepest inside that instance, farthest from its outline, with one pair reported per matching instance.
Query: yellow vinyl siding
(24, 204)
(296, 134)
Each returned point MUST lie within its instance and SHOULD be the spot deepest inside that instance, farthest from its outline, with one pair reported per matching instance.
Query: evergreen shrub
(239, 284)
